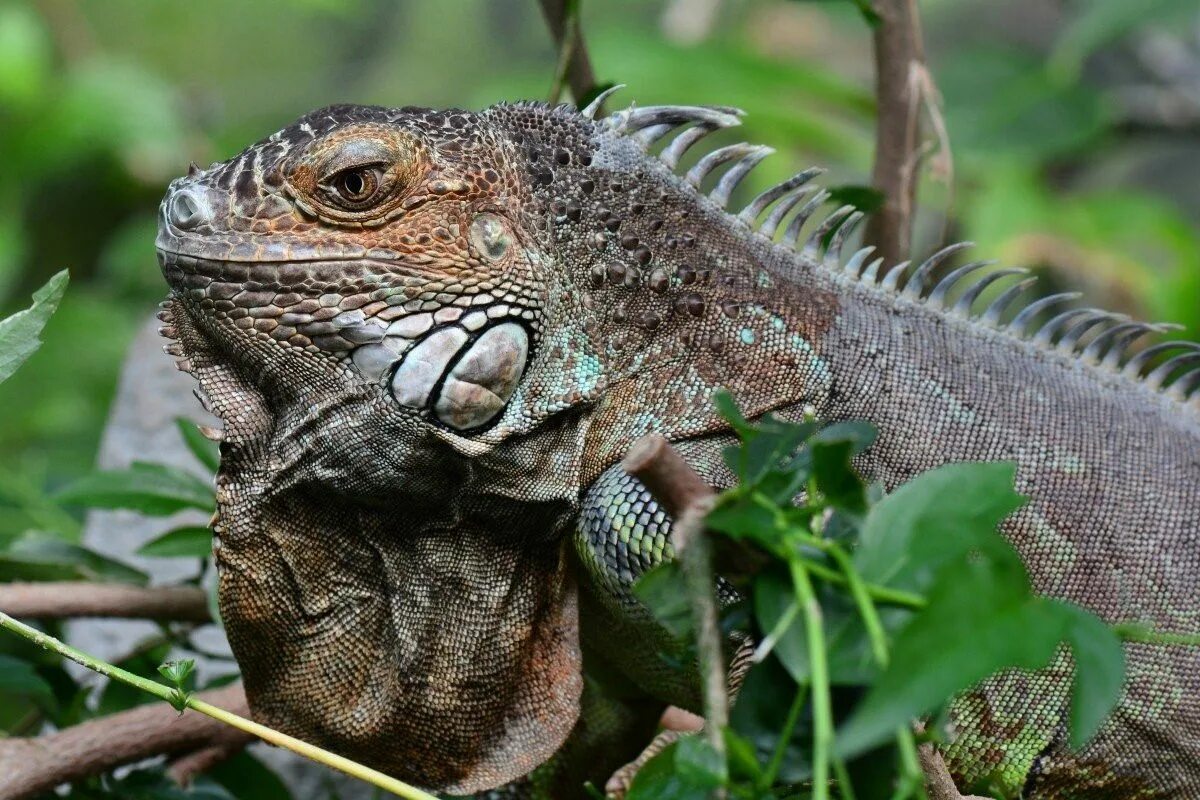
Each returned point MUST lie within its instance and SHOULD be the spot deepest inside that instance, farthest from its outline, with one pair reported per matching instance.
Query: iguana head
(426, 332)
(396, 246)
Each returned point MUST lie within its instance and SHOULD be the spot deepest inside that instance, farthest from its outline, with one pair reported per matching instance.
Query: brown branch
(30, 767)
(688, 499)
(899, 60)
(62, 599)
(225, 745)
(939, 785)
(562, 17)
(663, 471)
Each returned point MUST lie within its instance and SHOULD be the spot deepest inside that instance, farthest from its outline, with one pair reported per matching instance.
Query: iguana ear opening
(449, 659)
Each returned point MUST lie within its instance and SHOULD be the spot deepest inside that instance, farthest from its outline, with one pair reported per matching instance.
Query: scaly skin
(432, 334)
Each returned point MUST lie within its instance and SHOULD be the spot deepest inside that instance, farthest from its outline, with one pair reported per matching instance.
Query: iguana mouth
(456, 363)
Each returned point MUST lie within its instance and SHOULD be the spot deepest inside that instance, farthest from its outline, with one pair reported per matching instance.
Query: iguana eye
(355, 188)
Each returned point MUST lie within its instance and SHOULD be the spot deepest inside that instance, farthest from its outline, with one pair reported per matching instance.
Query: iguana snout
(388, 242)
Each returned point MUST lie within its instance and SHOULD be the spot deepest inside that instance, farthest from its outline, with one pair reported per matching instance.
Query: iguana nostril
(187, 209)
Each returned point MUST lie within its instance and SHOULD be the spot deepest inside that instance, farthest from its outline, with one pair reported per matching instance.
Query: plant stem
(818, 667)
(1136, 632)
(866, 608)
(785, 736)
(695, 561)
(771, 639)
(880, 594)
(845, 787)
(909, 758)
(169, 694)
(911, 774)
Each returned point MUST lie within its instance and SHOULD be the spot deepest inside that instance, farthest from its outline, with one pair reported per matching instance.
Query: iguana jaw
(377, 605)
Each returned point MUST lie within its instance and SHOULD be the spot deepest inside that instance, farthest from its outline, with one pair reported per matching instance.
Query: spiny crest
(1100, 338)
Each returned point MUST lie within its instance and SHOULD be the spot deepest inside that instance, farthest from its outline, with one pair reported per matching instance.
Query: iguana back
(431, 336)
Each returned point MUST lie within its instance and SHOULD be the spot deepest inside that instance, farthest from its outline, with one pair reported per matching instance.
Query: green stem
(866, 608)
(879, 594)
(171, 695)
(912, 778)
(909, 760)
(819, 669)
(785, 736)
(845, 787)
(1136, 632)
(781, 627)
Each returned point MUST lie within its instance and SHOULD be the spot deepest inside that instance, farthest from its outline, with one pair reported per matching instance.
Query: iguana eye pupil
(357, 185)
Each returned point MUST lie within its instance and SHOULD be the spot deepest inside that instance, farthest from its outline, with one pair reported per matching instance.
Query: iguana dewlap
(431, 335)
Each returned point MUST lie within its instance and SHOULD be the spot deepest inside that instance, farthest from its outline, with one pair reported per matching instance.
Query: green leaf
(248, 777)
(1099, 671)
(738, 517)
(934, 518)
(663, 591)
(759, 714)
(19, 333)
(19, 677)
(179, 674)
(831, 452)
(205, 451)
(848, 650)
(153, 784)
(727, 407)
(684, 770)
(40, 557)
(741, 755)
(981, 618)
(191, 541)
(776, 611)
(153, 489)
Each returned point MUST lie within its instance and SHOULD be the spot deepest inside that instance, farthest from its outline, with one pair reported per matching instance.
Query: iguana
(432, 334)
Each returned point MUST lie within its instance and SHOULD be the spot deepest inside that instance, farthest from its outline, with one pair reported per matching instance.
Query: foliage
(101, 104)
(33, 685)
(871, 612)
(19, 333)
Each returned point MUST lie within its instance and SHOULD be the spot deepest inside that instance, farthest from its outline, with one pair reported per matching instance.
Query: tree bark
(64, 599)
(30, 767)
(899, 59)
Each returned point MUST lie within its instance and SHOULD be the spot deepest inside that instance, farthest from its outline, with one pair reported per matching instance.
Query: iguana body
(432, 335)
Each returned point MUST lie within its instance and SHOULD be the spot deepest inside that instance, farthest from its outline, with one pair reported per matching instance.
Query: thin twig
(574, 67)
(30, 767)
(686, 496)
(65, 599)
(938, 783)
(193, 702)
(899, 55)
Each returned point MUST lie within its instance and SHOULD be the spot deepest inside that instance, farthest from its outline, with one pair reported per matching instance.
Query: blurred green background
(1074, 127)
